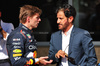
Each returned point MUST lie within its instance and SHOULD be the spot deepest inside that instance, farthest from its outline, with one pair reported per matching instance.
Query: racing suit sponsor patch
(15, 55)
(35, 54)
(30, 62)
(17, 46)
(28, 35)
(22, 33)
(32, 47)
(16, 39)
(16, 43)
(17, 51)
(17, 58)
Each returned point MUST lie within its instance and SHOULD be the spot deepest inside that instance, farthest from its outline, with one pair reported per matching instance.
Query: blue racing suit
(19, 44)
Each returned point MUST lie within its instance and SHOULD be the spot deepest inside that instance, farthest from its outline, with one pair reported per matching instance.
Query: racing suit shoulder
(15, 46)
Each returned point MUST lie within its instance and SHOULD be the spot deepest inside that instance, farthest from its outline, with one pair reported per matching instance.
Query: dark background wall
(10, 8)
(10, 13)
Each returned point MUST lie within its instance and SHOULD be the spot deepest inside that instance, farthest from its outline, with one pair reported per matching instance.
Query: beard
(60, 26)
(63, 27)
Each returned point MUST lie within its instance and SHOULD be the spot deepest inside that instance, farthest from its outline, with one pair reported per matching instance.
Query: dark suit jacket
(80, 48)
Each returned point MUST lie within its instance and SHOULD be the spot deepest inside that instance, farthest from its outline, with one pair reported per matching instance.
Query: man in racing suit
(21, 45)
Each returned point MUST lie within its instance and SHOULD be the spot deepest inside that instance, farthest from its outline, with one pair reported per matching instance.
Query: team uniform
(22, 47)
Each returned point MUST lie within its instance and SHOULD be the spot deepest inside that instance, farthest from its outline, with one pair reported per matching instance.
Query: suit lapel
(59, 41)
(71, 40)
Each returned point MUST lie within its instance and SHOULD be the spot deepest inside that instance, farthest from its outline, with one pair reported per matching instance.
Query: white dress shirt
(3, 50)
(65, 46)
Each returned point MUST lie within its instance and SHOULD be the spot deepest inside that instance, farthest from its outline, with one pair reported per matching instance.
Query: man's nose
(58, 21)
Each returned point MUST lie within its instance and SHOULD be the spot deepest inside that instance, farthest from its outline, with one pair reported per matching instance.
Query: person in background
(5, 29)
(8, 27)
(21, 46)
(71, 46)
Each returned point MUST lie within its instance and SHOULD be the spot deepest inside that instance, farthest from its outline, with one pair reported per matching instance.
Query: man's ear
(28, 19)
(70, 19)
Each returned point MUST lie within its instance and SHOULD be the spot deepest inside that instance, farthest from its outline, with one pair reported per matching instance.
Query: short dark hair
(68, 10)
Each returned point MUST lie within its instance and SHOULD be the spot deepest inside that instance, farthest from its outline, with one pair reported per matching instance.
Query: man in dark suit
(71, 46)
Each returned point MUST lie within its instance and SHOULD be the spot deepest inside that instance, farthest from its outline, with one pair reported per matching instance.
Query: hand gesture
(60, 53)
(42, 60)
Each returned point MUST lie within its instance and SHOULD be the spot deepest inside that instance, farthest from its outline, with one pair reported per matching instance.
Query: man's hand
(60, 53)
(42, 60)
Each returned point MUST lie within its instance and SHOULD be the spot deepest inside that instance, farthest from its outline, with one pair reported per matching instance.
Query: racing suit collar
(25, 28)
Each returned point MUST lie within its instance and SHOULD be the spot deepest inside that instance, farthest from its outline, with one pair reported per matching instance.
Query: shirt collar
(69, 31)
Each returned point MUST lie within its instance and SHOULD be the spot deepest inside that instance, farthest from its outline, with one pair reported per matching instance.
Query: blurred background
(88, 18)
